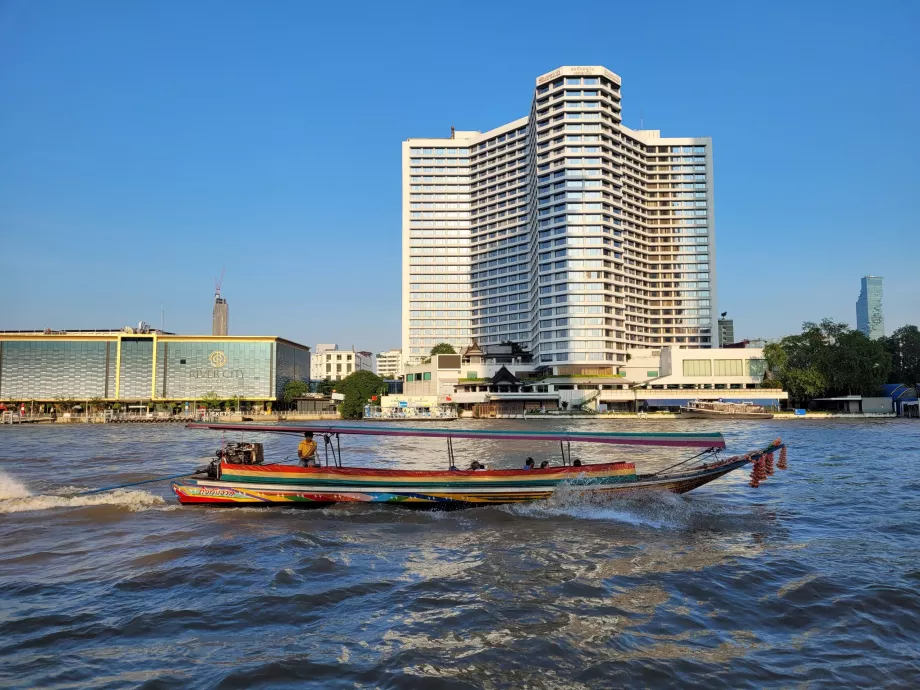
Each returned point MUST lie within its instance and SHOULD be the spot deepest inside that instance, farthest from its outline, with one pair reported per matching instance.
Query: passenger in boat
(576, 463)
(544, 464)
(476, 465)
(528, 464)
(306, 451)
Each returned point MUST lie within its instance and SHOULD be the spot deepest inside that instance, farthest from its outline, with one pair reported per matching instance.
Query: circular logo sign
(217, 359)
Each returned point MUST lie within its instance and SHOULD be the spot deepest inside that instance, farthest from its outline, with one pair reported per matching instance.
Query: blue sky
(145, 145)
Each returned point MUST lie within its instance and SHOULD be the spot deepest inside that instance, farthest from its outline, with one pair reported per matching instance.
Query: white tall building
(389, 364)
(329, 362)
(564, 231)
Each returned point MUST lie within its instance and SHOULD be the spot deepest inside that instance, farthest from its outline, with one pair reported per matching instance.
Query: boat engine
(241, 454)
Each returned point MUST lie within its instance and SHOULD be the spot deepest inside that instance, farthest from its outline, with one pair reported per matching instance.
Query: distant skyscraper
(221, 319)
(869, 316)
(726, 330)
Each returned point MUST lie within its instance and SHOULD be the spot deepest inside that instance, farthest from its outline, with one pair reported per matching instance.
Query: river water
(812, 579)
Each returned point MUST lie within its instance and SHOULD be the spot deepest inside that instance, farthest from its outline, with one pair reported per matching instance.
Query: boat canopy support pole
(683, 462)
(336, 452)
(562, 449)
(450, 453)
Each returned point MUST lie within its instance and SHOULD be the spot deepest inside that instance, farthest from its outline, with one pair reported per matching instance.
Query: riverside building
(329, 362)
(132, 366)
(564, 231)
(726, 331)
(389, 364)
(494, 380)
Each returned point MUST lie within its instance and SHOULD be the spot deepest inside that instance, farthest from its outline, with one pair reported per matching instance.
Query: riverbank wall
(296, 417)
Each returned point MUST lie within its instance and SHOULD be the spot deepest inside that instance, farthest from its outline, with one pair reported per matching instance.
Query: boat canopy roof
(693, 440)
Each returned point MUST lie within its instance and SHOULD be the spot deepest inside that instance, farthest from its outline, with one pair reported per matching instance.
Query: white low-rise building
(669, 377)
(329, 362)
(660, 378)
(390, 364)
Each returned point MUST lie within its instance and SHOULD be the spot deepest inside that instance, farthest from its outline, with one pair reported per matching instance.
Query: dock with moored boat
(724, 410)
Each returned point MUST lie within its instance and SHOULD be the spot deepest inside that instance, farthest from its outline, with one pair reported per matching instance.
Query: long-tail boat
(724, 410)
(239, 476)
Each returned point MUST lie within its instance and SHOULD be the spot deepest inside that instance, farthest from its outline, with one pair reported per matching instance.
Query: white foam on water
(69, 490)
(589, 511)
(10, 488)
(131, 499)
(655, 510)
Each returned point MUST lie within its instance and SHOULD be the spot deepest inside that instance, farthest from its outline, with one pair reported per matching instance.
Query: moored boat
(724, 410)
(239, 477)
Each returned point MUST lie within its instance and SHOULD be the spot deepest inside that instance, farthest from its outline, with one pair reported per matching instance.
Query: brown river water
(810, 580)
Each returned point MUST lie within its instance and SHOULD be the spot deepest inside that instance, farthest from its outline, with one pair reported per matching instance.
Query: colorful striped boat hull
(286, 485)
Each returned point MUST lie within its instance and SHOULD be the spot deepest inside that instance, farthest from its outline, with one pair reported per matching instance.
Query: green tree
(325, 387)
(358, 389)
(857, 365)
(904, 347)
(210, 400)
(825, 359)
(294, 389)
(516, 348)
(443, 349)
(793, 362)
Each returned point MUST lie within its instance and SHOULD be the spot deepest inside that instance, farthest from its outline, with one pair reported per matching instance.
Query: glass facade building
(148, 367)
(870, 319)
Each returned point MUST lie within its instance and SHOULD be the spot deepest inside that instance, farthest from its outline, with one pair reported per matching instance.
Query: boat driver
(306, 451)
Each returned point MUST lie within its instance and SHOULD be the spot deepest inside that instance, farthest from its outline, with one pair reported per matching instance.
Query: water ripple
(810, 580)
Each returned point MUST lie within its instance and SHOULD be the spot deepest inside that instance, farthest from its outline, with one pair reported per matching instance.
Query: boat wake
(10, 488)
(654, 512)
(15, 498)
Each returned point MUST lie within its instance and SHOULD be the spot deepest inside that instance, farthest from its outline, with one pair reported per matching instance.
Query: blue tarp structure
(900, 394)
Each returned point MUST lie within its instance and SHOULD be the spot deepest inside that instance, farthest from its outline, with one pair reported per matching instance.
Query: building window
(728, 367)
(651, 374)
(757, 367)
(697, 367)
(426, 376)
